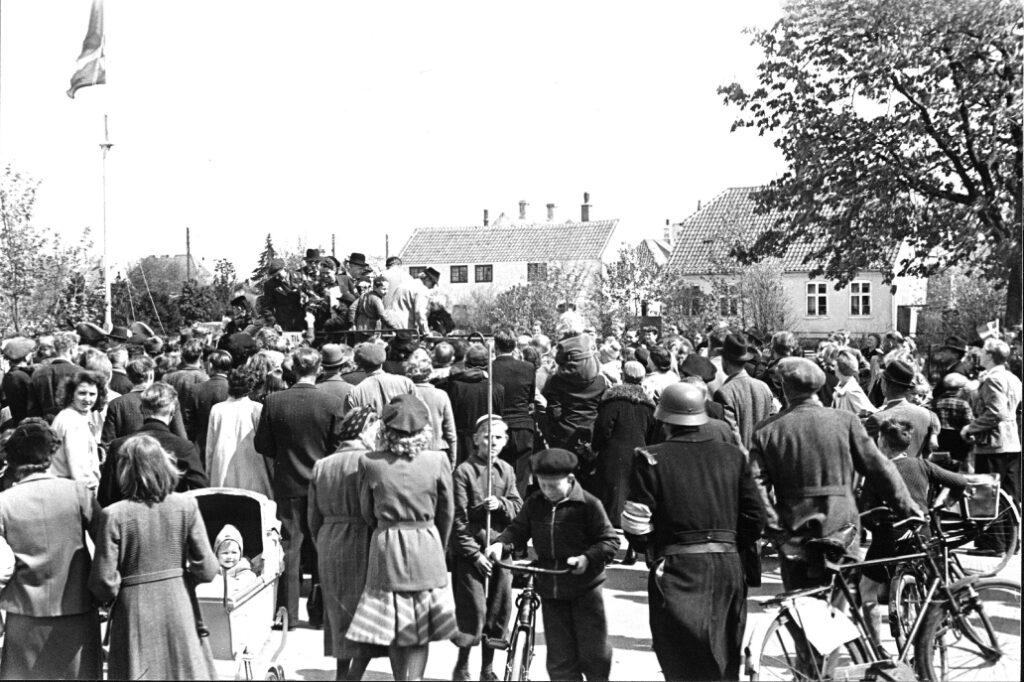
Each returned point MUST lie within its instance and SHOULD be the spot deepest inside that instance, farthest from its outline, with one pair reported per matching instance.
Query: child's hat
(554, 461)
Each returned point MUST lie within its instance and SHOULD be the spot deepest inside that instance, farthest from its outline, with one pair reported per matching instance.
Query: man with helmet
(693, 507)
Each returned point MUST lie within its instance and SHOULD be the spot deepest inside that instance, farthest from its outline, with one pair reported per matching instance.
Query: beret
(554, 461)
(698, 366)
(634, 370)
(406, 413)
(800, 375)
(369, 353)
(18, 348)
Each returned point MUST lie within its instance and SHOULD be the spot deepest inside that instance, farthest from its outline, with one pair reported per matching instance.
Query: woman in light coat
(79, 427)
(442, 419)
(231, 457)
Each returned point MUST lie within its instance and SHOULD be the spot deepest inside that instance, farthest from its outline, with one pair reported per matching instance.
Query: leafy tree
(957, 304)
(629, 281)
(900, 122)
(200, 303)
(262, 268)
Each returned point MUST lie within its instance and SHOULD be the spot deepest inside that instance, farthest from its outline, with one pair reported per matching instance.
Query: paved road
(626, 605)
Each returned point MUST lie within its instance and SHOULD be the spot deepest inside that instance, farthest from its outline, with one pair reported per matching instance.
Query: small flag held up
(91, 65)
(988, 330)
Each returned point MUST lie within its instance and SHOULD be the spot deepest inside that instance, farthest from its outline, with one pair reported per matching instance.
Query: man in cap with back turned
(811, 455)
(693, 507)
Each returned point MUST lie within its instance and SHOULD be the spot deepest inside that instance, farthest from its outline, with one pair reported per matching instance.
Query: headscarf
(228, 534)
(355, 421)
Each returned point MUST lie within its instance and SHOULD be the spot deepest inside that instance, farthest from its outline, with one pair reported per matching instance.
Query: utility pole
(188, 255)
(333, 255)
(387, 252)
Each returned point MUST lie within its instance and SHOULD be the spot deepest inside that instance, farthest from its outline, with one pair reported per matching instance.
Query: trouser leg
(562, 663)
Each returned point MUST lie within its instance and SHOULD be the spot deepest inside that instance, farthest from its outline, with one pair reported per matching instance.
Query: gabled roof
(706, 236)
(657, 250)
(530, 242)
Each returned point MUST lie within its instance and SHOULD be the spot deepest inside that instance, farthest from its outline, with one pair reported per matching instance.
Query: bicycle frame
(527, 604)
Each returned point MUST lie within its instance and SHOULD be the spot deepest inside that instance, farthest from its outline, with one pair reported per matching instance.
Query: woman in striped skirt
(405, 494)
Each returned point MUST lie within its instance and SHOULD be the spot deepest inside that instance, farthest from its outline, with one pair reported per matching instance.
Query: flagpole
(107, 317)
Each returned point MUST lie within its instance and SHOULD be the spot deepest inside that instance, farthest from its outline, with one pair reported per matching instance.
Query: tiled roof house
(500, 255)
(865, 305)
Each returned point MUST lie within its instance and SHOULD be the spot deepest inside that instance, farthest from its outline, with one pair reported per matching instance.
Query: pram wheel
(275, 673)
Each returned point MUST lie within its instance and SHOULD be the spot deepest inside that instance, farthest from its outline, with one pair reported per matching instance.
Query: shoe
(461, 674)
(278, 625)
(630, 558)
(488, 676)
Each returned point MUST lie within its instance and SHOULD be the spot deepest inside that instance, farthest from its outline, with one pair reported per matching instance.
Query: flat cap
(18, 348)
(800, 375)
(554, 461)
(406, 413)
(369, 353)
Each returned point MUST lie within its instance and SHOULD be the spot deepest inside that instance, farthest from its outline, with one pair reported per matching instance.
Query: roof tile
(531, 242)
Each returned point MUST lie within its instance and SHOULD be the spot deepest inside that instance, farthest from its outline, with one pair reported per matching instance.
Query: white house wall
(506, 275)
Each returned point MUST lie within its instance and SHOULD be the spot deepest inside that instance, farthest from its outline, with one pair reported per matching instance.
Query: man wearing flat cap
(811, 455)
(897, 385)
(694, 509)
(17, 379)
(379, 387)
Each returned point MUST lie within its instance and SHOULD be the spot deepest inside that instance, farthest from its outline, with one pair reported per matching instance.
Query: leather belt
(154, 577)
(700, 548)
(405, 525)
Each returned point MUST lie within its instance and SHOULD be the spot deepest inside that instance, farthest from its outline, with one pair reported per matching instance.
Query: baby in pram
(235, 568)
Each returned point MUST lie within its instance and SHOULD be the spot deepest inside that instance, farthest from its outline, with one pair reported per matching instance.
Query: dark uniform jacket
(44, 390)
(193, 475)
(16, 387)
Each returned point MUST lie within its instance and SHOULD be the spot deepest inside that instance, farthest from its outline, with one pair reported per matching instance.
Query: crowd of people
(403, 468)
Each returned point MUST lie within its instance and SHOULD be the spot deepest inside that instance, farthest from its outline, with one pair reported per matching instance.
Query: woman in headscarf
(343, 540)
(405, 494)
(146, 545)
(52, 628)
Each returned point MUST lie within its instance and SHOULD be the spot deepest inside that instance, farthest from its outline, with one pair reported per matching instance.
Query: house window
(416, 270)
(729, 301)
(460, 274)
(536, 272)
(860, 298)
(692, 301)
(483, 273)
(817, 298)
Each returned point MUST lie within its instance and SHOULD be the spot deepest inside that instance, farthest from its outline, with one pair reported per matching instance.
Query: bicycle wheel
(977, 560)
(982, 644)
(518, 666)
(906, 595)
(778, 657)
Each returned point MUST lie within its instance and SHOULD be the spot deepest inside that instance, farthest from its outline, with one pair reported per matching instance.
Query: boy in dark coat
(475, 615)
(569, 529)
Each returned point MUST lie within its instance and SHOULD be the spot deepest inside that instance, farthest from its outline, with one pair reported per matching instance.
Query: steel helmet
(682, 404)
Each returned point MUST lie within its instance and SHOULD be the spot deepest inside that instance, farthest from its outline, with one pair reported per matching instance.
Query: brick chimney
(668, 231)
(585, 208)
(551, 212)
(486, 220)
(522, 209)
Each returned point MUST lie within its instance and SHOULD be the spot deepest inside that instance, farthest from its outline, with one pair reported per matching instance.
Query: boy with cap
(475, 615)
(569, 529)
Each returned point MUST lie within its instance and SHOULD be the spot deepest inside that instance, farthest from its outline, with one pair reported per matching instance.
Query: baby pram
(239, 616)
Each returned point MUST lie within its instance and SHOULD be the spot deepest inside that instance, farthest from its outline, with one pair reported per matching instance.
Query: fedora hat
(90, 333)
(357, 259)
(956, 344)
(736, 348)
(312, 254)
(142, 329)
(899, 372)
(331, 356)
(431, 273)
(119, 333)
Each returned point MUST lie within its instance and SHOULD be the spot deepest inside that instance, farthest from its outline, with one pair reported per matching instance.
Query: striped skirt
(404, 618)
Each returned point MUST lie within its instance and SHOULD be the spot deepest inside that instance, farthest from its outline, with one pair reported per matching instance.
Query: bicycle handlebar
(528, 567)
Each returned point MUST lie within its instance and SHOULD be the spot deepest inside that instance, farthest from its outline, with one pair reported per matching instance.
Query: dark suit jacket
(45, 387)
(519, 380)
(16, 387)
(298, 427)
(204, 397)
(119, 381)
(193, 475)
(124, 417)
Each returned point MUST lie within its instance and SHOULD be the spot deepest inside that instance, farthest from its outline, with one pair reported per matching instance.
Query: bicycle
(523, 635)
(949, 534)
(966, 627)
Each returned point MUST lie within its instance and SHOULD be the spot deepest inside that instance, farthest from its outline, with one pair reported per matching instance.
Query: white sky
(307, 118)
